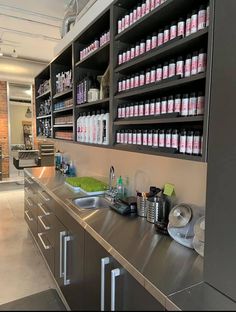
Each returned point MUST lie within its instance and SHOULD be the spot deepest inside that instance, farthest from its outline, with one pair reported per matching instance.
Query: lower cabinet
(69, 262)
(108, 286)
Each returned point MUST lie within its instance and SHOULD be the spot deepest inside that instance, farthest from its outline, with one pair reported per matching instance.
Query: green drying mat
(88, 185)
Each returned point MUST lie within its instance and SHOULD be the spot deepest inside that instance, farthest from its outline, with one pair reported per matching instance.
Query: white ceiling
(31, 27)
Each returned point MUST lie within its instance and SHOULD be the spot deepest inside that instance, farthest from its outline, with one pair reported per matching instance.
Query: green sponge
(88, 184)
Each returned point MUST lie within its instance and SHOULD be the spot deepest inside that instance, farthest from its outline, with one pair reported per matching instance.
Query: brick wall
(4, 139)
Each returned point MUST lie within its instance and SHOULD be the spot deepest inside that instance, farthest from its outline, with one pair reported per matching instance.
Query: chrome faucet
(111, 193)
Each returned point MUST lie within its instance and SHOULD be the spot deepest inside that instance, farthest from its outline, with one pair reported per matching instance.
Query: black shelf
(44, 95)
(65, 140)
(66, 109)
(162, 119)
(164, 152)
(95, 103)
(100, 57)
(44, 117)
(62, 94)
(159, 17)
(163, 85)
(174, 46)
(94, 145)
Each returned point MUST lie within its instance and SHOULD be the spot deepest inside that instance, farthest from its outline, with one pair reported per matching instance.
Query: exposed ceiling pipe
(28, 20)
(70, 16)
(27, 34)
(11, 8)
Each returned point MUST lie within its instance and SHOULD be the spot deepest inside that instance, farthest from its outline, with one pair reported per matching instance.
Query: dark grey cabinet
(108, 286)
(220, 250)
(69, 257)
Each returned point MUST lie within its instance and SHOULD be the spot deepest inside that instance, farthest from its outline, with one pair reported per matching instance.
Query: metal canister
(142, 205)
(152, 210)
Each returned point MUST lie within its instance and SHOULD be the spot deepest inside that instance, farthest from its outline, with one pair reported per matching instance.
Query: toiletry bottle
(120, 187)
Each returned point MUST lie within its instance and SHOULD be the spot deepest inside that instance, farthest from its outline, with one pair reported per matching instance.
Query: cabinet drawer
(46, 248)
(32, 222)
(45, 225)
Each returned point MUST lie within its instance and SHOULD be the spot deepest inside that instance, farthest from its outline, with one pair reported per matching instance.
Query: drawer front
(46, 226)
(32, 222)
(46, 247)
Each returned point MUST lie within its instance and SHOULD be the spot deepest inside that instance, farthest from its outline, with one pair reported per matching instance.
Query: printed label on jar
(162, 140)
(142, 47)
(154, 42)
(147, 109)
(158, 108)
(134, 138)
(175, 141)
(197, 145)
(189, 145)
(122, 138)
(119, 112)
(172, 68)
(148, 6)
(155, 139)
(136, 110)
(123, 112)
(130, 138)
(153, 76)
(131, 18)
(127, 115)
(188, 27)
(202, 62)
(128, 55)
(124, 85)
(160, 39)
(188, 68)
(201, 19)
(143, 9)
(139, 12)
(152, 5)
(148, 45)
(177, 105)
(132, 83)
(141, 80)
(164, 107)
(173, 32)
(181, 28)
(131, 111)
(127, 84)
(135, 15)
(165, 72)
(139, 138)
(183, 144)
(140, 110)
(168, 140)
(150, 139)
(152, 108)
(200, 105)
(166, 35)
(184, 109)
(136, 81)
(180, 68)
(194, 65)
(118, 137)
(192, 106)
(194, 24)
(170, 106)
(159, 74)
(148, 77)
(126, 21)
(145, 139)
(132, 53)
(124, 57)
(137, 50)
(119, 26)
(125, 138)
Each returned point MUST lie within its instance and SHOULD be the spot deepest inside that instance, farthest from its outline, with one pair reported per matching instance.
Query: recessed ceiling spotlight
(14, 54)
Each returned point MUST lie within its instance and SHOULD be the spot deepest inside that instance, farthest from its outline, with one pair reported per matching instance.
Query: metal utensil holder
(142, 205)
(152, 211)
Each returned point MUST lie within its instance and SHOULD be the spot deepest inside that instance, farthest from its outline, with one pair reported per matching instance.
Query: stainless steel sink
(93, 202)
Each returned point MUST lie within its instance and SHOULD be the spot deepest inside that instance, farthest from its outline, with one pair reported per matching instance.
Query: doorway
(20, 112)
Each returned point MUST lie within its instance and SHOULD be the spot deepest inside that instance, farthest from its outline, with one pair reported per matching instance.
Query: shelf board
(69, 108)
(160, 86)
(156, 151)
(65, 140)
(43, 117)
(100, 57)
(162, 119)
(94, 145)
(155, 19)
(62, 94)
(171, 47)
(43, 95)
(99, 102)
(63, 126)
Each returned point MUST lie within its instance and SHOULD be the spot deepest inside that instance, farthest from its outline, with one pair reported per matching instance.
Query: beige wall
(142, 170)
(17, 115)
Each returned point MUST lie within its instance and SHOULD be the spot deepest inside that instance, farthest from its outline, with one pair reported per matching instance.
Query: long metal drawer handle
(44, 197)
(114, 274)
(43, 224)
(28, 202)
(46, 247)
(62, 234)
(28, 180)
(66, 240)
(104, 262)
(27, 215)
(43, 210)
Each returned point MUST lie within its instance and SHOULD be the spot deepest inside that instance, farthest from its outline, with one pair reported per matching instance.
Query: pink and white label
(143, 8)
(200, 105)
(159, 75)
(189, 145)
(137, 50)
(148, 6)
(194, 65)
(134, 15)
(118, 137)
(139, 138)
(160, 39)
(154, 42)
(132, 53)
(142, 47)
(153, 75)
(152, 5)
(183, 144)
(132, 83)
(136, 110)
(155, 139)
(192, 106)
(141, 80)
(166, 35)
(136, 81)
(119, 26)
(139, 12)
(131, 111)
(158, 108)
(130, 138)
(141, 110)
(164, 107)
(147, 109)
(188, 67)
(172, 68)
(175, 141)
(180, 68)
(173, 32)
(185, 105)
(196, 145)
(201, 19)
(165, 72)
(168, 140)
(152, 108)
(177, 105)
(181, 29)
(148, 77)
(170, 106)
(150, 139)
(148, 45)
(157, 3)
(162, 140)
(135, 138)
(145, 139)
(188, 27)
(202, 62)
(128, 55)
(194, 24)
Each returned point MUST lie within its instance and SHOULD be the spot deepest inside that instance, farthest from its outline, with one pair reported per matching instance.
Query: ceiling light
(28, 113)
(14, 54)
(1, 54)
(28, 92)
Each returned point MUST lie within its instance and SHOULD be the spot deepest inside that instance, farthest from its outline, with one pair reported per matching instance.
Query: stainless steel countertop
(160, 264)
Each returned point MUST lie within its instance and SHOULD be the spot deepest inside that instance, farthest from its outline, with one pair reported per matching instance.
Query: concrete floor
(23, 271)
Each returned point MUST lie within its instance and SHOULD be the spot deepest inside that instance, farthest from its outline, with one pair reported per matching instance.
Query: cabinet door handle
(27, 215)
(43, 210)
(46, 247)
(28, 202)
(66, 240)
(62, 234)
(27, 190)
(43, 224)
(114, 274)
(44, 197)
(29, 181)
(104, 262)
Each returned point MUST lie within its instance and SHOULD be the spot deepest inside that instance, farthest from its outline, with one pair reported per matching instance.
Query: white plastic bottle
(87, 124)
(82, 125)
(95, 128)
(91, 127)
(79, 128)
(105, 137)
(100, 125)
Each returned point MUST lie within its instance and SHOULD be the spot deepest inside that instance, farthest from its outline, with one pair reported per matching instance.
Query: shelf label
(169, 189)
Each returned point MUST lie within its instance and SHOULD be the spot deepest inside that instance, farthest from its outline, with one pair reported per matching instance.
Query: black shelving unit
(43, 114)
(97, 62)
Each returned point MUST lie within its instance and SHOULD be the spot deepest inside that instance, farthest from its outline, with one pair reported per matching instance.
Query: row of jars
(192, 104)
(184, 141)
(194, 22)
(137, 12)
(193, 64)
